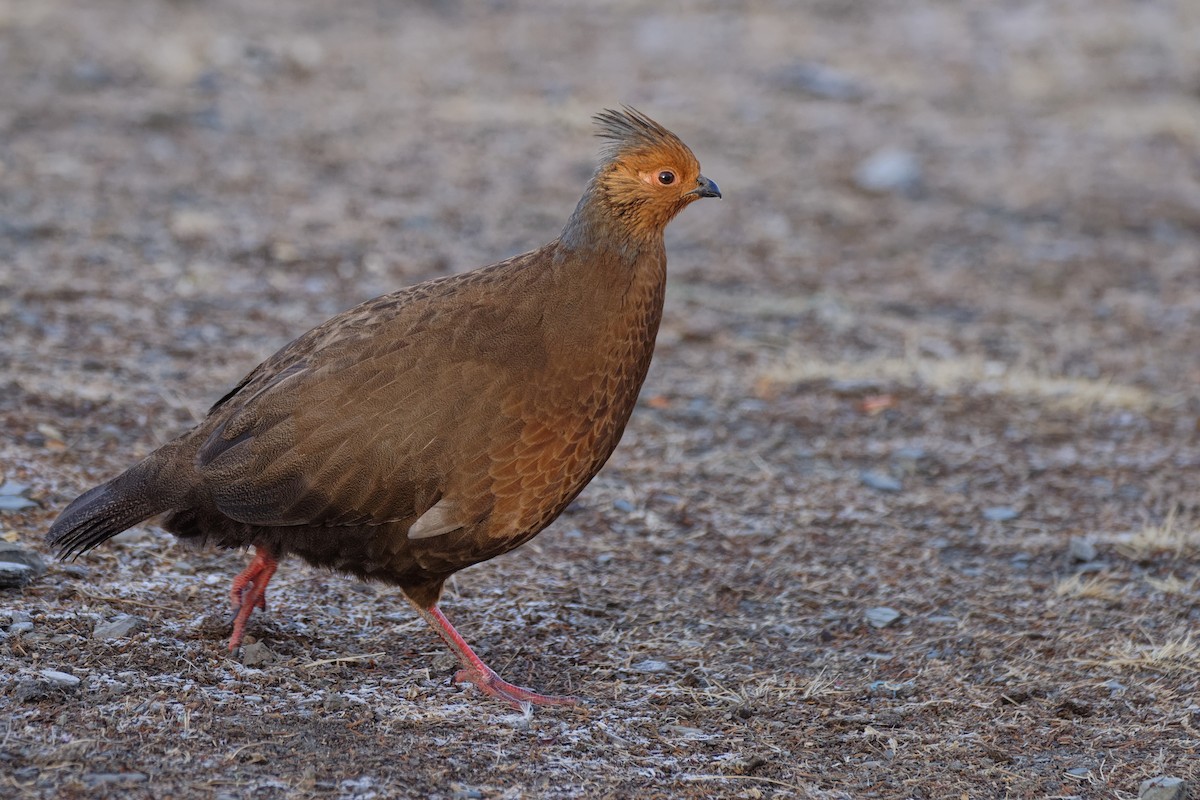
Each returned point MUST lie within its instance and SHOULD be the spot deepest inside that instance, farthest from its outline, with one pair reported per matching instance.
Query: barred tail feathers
(101, 513)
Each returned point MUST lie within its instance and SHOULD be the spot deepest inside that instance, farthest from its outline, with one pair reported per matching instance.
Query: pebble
(18, 628)
(891, 170)
(118, 627)
(256, 654)
(891, 689)
(1000, 513)
(131, 536)
(881, 616)
(11, 487)
(50, 683)
(15, 554)
(1163, 787)
(304, 55)
(14, 576)
(60, 680)
(13, 502)
(651, 665)
(190, 225)
(880, 481)
(1080, 549)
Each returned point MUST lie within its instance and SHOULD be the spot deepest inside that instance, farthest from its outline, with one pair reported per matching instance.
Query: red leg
(250, 591)
(476, 672)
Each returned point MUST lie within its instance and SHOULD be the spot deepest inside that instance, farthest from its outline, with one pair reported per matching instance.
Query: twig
(341, 659)
(234, 754)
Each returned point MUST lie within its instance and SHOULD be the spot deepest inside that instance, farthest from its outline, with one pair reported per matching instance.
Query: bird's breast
(570, 419)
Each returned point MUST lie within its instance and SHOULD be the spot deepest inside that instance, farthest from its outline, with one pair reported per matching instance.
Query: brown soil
(185, 186)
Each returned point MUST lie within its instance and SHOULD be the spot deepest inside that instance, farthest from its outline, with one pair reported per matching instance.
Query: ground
(964, 390)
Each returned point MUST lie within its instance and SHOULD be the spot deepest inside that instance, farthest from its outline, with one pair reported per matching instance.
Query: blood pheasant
(438, 426)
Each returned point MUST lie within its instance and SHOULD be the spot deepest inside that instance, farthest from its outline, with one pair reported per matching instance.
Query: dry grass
(975, 374)
(1172, 657)
(1172, 537)
(1084, 587)
(1172, 585)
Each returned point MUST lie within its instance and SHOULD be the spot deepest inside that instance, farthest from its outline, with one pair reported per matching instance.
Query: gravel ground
(910, 507)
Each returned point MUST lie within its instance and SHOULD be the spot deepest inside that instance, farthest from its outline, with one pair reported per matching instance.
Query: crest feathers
(630, 130)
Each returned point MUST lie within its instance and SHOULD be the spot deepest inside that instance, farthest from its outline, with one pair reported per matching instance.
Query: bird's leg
(249, 591)
(476, 672)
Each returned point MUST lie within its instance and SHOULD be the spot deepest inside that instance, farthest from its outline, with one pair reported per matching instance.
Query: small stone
(891, 689)
(97, 779)
(651, 665)
(118, 627)
(304, 55)
(1163, 787)
(12, 488)
(12, 553)
(26, 774)
(256, 654)
(890, 170)
(14, 576)
(1000, 513)
(131, 536)
(17, 628)
(880, 481)
(190, 225)
(1080, 549)
(14, 502)
(881, 616)
(60, 680)
(623, 505)
(1078, 772)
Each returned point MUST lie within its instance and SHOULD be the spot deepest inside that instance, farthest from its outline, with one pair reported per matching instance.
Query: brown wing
(375, 416)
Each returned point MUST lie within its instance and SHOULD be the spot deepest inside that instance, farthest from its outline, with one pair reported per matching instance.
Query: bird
(437, 426)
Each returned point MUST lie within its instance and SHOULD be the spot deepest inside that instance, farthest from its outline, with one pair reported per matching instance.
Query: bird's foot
(249, 591)
(518, 698)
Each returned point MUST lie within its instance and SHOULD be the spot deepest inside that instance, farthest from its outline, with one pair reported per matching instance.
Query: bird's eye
(666, 177)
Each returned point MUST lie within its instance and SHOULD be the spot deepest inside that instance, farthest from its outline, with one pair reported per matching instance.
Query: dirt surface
(967, 394)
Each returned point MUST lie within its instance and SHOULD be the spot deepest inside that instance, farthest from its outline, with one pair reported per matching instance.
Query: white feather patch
(439, 520)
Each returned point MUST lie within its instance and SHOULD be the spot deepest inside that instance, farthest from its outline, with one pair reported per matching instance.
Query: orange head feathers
(647, 175)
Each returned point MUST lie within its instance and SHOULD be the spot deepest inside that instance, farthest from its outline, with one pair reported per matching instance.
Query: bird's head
(647, 174)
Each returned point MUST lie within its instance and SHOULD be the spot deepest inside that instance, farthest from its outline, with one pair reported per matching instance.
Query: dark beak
(705, 188)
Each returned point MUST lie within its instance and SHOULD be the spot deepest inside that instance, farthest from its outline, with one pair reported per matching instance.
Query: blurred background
(935, 353)
(945, 166)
